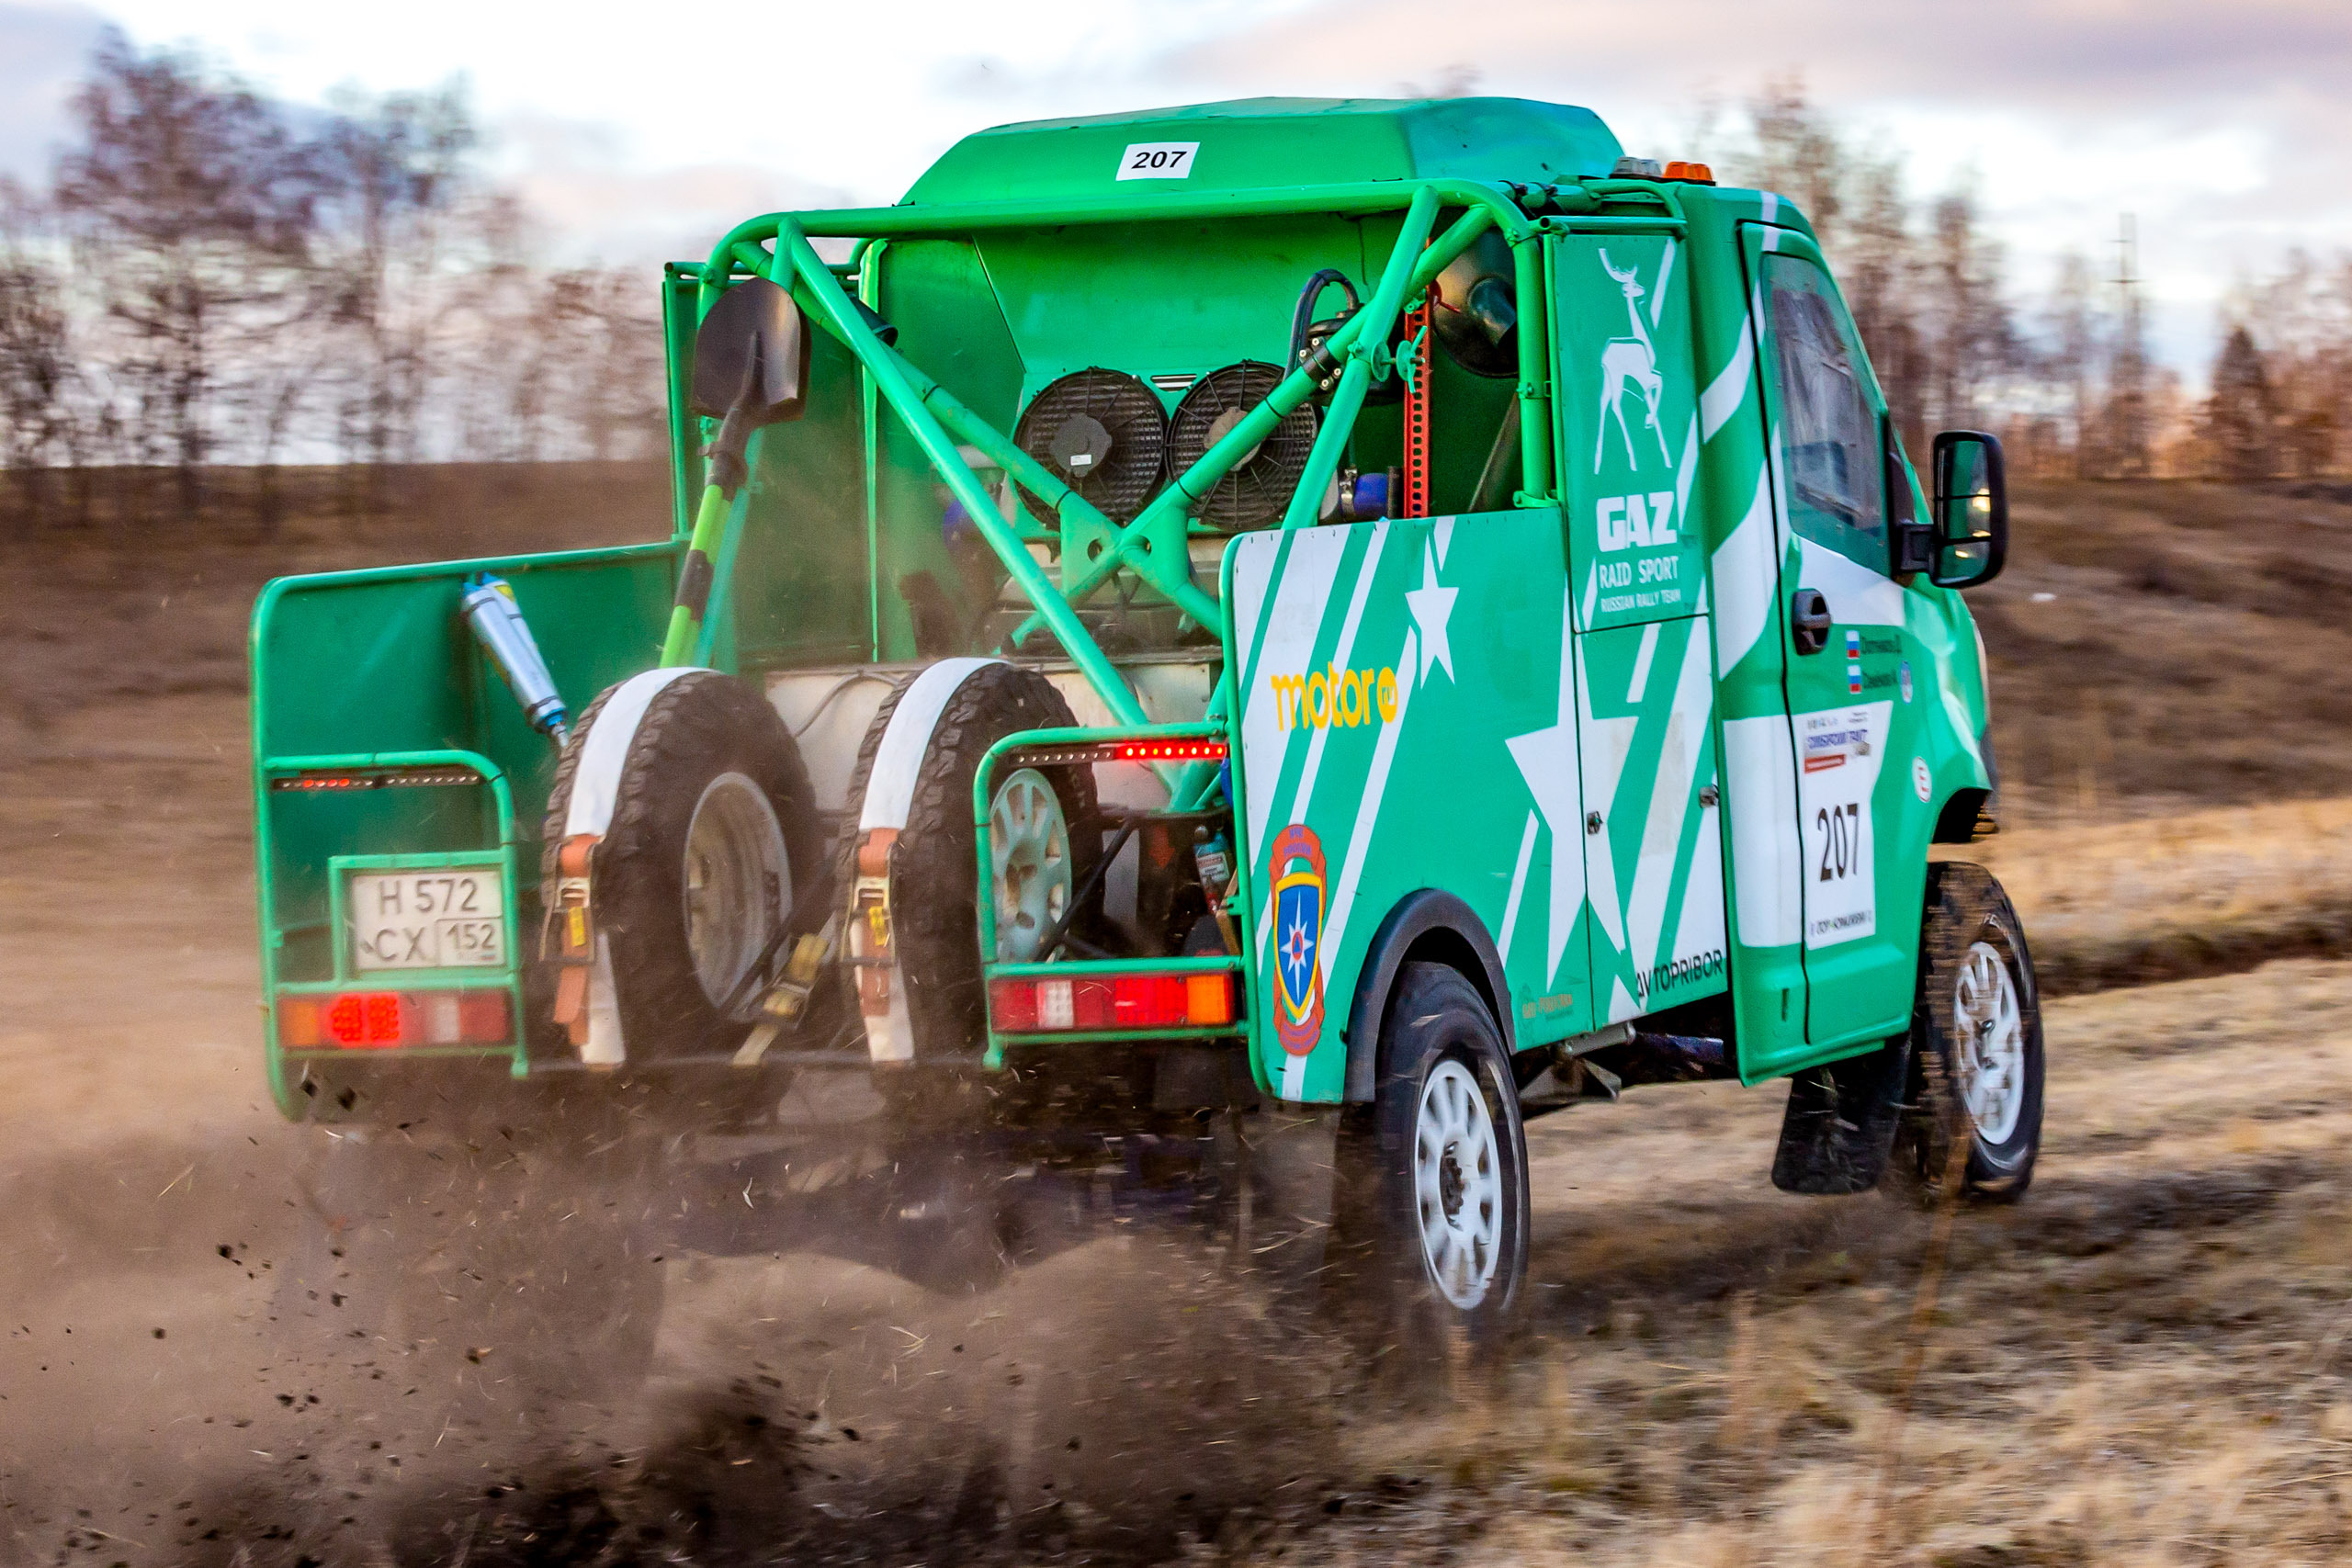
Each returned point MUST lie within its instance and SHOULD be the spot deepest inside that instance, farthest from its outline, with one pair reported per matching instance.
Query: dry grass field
(2143, 1363)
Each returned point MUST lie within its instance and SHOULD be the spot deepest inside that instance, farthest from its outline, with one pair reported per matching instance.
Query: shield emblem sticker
(1296, 867)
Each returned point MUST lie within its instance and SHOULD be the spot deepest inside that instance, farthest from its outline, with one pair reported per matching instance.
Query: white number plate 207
(427, 919)
(1157, 161)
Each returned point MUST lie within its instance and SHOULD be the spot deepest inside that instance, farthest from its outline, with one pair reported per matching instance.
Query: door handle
(1809, 620)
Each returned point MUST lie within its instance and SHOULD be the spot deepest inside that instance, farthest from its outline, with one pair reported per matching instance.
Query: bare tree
(2240, 425)
(396, 169)
(187, 194)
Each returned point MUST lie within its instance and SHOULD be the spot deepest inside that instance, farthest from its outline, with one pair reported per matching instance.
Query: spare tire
(713, 833)
(934, 877)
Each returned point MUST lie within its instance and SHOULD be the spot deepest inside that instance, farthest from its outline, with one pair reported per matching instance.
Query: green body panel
(368, 670)
(1275, 143)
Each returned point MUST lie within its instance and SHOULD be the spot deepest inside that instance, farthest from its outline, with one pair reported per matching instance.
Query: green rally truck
(1391, 617)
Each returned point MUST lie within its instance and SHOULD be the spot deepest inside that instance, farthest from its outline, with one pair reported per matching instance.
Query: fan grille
(1127, 411)
(1254, 493)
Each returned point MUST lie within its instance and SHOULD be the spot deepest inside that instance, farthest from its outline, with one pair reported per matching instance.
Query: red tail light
(380, 1021)
(1030, 1006)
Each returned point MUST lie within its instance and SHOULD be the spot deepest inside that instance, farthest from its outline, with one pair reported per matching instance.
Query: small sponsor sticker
(1297, 869)
(1922, 783)
(1853, 680)
(1853, 644)
(1903, 680)
(1830, 738)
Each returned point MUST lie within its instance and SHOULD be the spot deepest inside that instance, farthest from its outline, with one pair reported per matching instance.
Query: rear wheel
(1435, 1206)
(934, 875)
(1976, 1044)
(694, 882)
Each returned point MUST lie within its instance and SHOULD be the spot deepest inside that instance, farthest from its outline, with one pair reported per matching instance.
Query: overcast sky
(2226, 125)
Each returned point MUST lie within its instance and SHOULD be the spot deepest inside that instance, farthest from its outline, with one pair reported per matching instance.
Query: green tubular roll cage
(1153, 546)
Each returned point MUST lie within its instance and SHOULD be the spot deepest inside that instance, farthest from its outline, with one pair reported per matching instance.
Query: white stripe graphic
(1771, 206)
(1376, 786)
(1687, 473)
(1746, 576)
(1657, 289)
(1641, 656)
(1518, 888)
(1671, 795)
(1759, 759)
(1729, 389)
(1605, 743)
(1302, 799)
(1285, 646)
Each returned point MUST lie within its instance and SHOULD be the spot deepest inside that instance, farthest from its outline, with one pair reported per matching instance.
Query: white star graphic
(1432, 607)
(1547, 760)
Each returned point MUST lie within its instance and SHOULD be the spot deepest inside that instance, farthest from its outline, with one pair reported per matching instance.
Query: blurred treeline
(212, 277)
(2064, 377)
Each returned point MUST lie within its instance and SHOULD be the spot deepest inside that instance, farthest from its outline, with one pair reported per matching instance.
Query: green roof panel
(1258, 144)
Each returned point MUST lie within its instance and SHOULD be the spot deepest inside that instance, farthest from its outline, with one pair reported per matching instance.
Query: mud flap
(1840, 1123)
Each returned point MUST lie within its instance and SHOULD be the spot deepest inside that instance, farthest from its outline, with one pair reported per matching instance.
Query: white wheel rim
(737, 881)
(1457, 1185)
(1989, 1030)
(1029, 854)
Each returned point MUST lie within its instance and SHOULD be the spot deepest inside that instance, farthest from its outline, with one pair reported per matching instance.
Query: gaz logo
(1297, 868)
(1624, 522)
(1324, 698)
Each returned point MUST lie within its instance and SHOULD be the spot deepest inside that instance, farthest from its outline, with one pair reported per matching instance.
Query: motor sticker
(1839, 751)
(1299, 878)
(1322, 698)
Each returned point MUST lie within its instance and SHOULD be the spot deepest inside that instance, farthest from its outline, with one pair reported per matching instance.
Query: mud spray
(464, 1340)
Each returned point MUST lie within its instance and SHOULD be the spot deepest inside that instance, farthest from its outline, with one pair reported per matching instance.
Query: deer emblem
(1629, 360)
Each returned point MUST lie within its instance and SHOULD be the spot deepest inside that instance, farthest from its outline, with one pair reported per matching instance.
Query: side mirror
(1911, 538)
(1972, 510)
(750, 370)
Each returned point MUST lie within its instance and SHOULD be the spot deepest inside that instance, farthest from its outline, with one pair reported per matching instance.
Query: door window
(1828, 429)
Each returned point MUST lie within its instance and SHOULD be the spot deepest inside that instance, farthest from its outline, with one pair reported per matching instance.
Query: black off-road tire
(934, 877)
(1966, 910)
(1436, 1022)
(699, 727)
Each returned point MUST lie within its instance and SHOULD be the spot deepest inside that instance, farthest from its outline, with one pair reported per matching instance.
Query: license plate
(427, 919)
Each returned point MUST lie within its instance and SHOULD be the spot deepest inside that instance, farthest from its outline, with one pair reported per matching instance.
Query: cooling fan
(1254, 493)
(1105, 432)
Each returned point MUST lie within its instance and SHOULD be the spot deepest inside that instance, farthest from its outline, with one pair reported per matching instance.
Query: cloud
(577, 179)
(2226, 127)
(43, 51)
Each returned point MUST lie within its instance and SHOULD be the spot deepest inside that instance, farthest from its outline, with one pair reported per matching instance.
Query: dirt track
(2147, 1355)
(2146, 1362)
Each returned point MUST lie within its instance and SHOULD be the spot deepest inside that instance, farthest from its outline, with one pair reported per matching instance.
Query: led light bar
(394, 778)
(1092, 1002)
(1119, 751)
(383, 1021)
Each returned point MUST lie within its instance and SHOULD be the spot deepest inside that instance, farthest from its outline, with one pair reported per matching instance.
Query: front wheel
(1975, 1115)
(1436, 1209)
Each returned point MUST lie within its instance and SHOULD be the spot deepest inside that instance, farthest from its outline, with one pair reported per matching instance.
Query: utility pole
(2128, 378)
